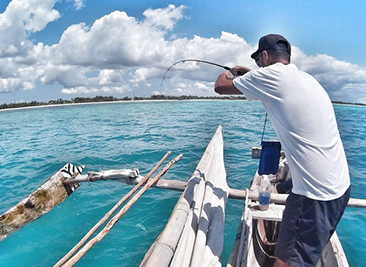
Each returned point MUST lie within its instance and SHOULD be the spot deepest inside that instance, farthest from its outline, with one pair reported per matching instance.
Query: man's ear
(265, 58)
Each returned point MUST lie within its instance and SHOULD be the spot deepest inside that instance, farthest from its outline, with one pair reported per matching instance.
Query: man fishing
(304, 120)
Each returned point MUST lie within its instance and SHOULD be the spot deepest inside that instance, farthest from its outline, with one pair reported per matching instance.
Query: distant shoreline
(106, 100)
(109, 102)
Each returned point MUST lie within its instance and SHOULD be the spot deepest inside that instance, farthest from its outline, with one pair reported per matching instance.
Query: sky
(51, 49)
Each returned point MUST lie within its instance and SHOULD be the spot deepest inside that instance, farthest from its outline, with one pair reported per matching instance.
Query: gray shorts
(306, 227)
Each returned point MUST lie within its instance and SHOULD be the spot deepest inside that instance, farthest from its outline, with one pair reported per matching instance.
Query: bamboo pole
(118, 216)
(107, 215)
(241, 194)
(356, 203)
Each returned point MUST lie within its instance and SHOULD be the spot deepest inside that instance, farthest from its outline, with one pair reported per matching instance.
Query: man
(304, 120)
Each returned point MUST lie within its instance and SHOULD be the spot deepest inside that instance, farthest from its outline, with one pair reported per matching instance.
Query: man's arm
(224, 83)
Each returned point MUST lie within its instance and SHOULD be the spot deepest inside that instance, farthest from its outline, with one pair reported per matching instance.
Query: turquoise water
(35, 143)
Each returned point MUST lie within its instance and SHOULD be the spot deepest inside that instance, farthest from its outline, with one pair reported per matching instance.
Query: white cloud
(28, 85)
(119, 52)
(21, 18)
(118, 40)
(78, 4)
(342, 80)
(110, 76)
(156, 93)
(93, 90)
(77, 90)
(197, 88)
(164, 17)
(7, 85)
(66, 75)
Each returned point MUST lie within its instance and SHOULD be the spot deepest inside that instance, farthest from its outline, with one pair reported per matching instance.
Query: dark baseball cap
(272, 42)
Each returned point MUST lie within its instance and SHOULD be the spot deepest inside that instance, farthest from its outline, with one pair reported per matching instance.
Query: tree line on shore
(77, 100)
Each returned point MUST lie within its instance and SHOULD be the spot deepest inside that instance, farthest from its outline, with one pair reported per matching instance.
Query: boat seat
(274, 212)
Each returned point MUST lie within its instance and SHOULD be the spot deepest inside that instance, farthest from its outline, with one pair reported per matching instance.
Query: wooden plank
(183, 253)
(209, 241)
(338, 251)
(274, 212)
(47, 196)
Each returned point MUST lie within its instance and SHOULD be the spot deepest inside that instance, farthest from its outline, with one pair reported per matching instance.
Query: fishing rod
(198, 61)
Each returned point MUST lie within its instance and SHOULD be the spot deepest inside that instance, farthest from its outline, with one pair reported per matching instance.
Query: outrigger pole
(118, 216)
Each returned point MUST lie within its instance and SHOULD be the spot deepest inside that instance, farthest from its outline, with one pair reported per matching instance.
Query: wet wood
(41, 201)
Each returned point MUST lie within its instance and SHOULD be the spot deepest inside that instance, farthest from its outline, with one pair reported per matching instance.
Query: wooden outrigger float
(194, 234)
(53, 192)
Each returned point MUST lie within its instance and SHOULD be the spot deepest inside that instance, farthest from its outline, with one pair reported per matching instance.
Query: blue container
(264, 198)
(270, 156)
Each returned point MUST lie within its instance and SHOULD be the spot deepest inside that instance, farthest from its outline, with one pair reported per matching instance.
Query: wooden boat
(193, 235)
(258, 232)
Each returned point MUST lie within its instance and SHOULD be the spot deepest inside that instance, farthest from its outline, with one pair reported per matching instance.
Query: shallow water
(35, 143)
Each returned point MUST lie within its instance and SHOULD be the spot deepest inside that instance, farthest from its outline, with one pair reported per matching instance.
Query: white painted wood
(208, 234)
(183, 254)
(274, 213)
(129, 176)
(338, 251)
(240, 194)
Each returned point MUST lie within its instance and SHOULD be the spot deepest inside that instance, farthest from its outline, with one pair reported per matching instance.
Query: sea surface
(35, 143)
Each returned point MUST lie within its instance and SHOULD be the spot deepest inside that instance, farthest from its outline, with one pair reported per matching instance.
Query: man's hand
(224, 85)
(239, 70)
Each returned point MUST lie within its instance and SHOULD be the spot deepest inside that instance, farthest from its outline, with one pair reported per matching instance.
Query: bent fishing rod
(198, 61)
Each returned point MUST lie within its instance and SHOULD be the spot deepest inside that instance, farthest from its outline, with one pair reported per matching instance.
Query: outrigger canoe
(194, 233)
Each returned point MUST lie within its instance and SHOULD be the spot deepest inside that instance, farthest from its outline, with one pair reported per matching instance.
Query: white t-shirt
(304, 120)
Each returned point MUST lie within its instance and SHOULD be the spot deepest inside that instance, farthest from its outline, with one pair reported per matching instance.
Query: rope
(264, 127)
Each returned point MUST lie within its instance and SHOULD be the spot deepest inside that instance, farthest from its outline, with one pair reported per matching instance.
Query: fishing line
(194, 60)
